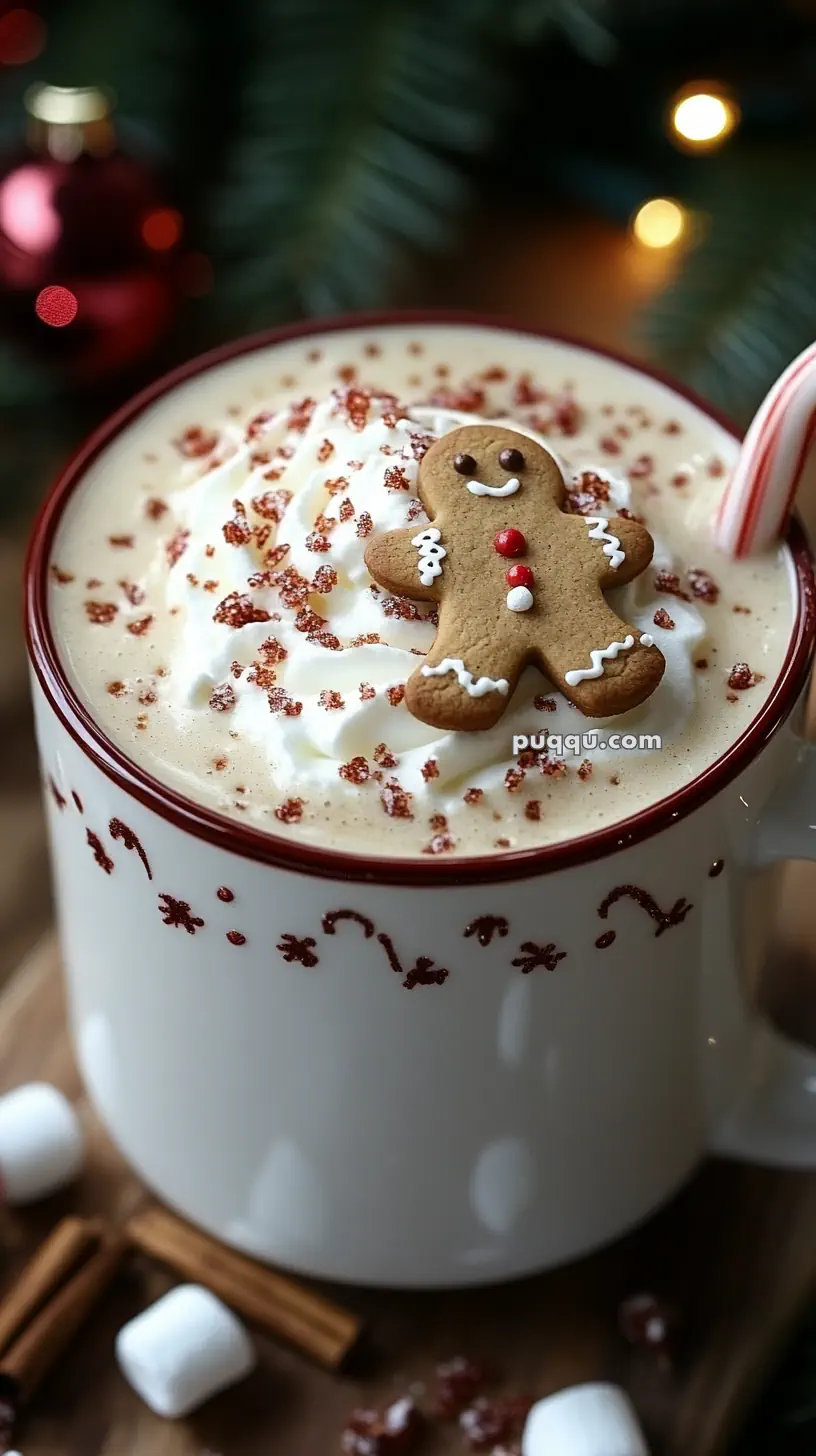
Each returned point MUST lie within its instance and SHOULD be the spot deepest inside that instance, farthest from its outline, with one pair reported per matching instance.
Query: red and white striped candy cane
(759, 497)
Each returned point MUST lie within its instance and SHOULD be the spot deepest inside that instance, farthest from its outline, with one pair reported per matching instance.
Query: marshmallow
(183, 1349)
(584, 1420)
(41, 1142)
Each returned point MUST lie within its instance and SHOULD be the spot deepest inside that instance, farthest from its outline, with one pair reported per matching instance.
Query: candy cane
(759, 497)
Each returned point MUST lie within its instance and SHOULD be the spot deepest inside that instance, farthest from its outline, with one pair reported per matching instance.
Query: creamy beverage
(210, 598)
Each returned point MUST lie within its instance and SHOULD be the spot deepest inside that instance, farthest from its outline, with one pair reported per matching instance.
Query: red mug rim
(274, 850)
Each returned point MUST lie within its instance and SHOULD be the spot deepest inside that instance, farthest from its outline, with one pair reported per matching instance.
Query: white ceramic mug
(422, 1073)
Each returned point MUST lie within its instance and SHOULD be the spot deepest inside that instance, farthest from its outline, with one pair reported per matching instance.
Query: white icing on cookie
(474, 687)
(612, 547)
(430, 554)
(520, 599)
(599, 656)
(509, 488)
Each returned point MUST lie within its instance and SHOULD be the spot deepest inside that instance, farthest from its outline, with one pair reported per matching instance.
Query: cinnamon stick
(35, 1350)
(275, 1303)
(71, 1242)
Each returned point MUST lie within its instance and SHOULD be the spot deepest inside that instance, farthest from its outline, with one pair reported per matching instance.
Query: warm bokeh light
(56, 306)
(162, 229)
(22, 37)
(659, 223)
(27, 214)
(702, 120)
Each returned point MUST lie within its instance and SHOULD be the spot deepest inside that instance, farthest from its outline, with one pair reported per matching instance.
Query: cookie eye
(511, 459)
(464, 464)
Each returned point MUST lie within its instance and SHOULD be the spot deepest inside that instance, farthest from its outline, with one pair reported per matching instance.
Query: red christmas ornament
(88, 246)
(520, 575)
(510, 542)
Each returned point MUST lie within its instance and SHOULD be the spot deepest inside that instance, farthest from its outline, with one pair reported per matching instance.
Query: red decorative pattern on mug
(118, 830)
(484, 927)
(664, 919)
(178, 913)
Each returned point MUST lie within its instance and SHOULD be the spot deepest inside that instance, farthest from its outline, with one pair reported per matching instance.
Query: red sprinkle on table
(458, 1381)
(545, 705)
(396, 1431)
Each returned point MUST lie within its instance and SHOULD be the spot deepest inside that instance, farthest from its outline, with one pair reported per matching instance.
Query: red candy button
(510, 542)
(519, 575)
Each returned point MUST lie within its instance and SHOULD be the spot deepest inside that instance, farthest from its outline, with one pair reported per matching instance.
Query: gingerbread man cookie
(518, 580)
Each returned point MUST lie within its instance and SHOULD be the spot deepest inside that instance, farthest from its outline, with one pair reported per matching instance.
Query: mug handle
(776, 1123)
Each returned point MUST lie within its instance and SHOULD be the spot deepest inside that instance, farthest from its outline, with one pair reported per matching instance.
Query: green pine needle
(744, 304)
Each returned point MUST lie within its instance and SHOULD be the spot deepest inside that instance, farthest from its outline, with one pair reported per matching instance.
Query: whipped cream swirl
(310, 653)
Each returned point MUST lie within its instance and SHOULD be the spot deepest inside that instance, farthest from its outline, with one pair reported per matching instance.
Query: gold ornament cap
(65, 121)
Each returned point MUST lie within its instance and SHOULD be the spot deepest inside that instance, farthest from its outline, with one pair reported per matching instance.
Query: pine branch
(744, 304)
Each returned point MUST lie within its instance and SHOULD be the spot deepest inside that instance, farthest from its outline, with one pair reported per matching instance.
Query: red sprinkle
(222, 698)
(272, 504)
(487, 1422)
(121, 542)
(662, 619)
(395, 478)
(238, 610)
(290, 812)
(317, 543)
(322, 638)
(101, 613)
(395, 694)
(532, 809)
(741, 677)
(669, 582)
(281, 702)
(585, 769)
(330, 700)
(703, 585)
(196, 442)
(140, 626)
(155, 508)
(176, 546)
(365, 525)
(367, 692)
(238, 531)
(325, 452)
(396, 801)
(61, 577)
(430, 770)
(473, 796)
(440, 844)
(545, 705)
(458, 1381)
(393, 1433)
(513, 780)
(272, 651)
(356, 771)
(384, 757)
(366, 639)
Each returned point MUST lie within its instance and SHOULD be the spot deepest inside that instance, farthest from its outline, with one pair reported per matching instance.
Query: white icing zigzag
(509, 488)
(599, 656)
(474, 687)
(600, 533)
(430, 554)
